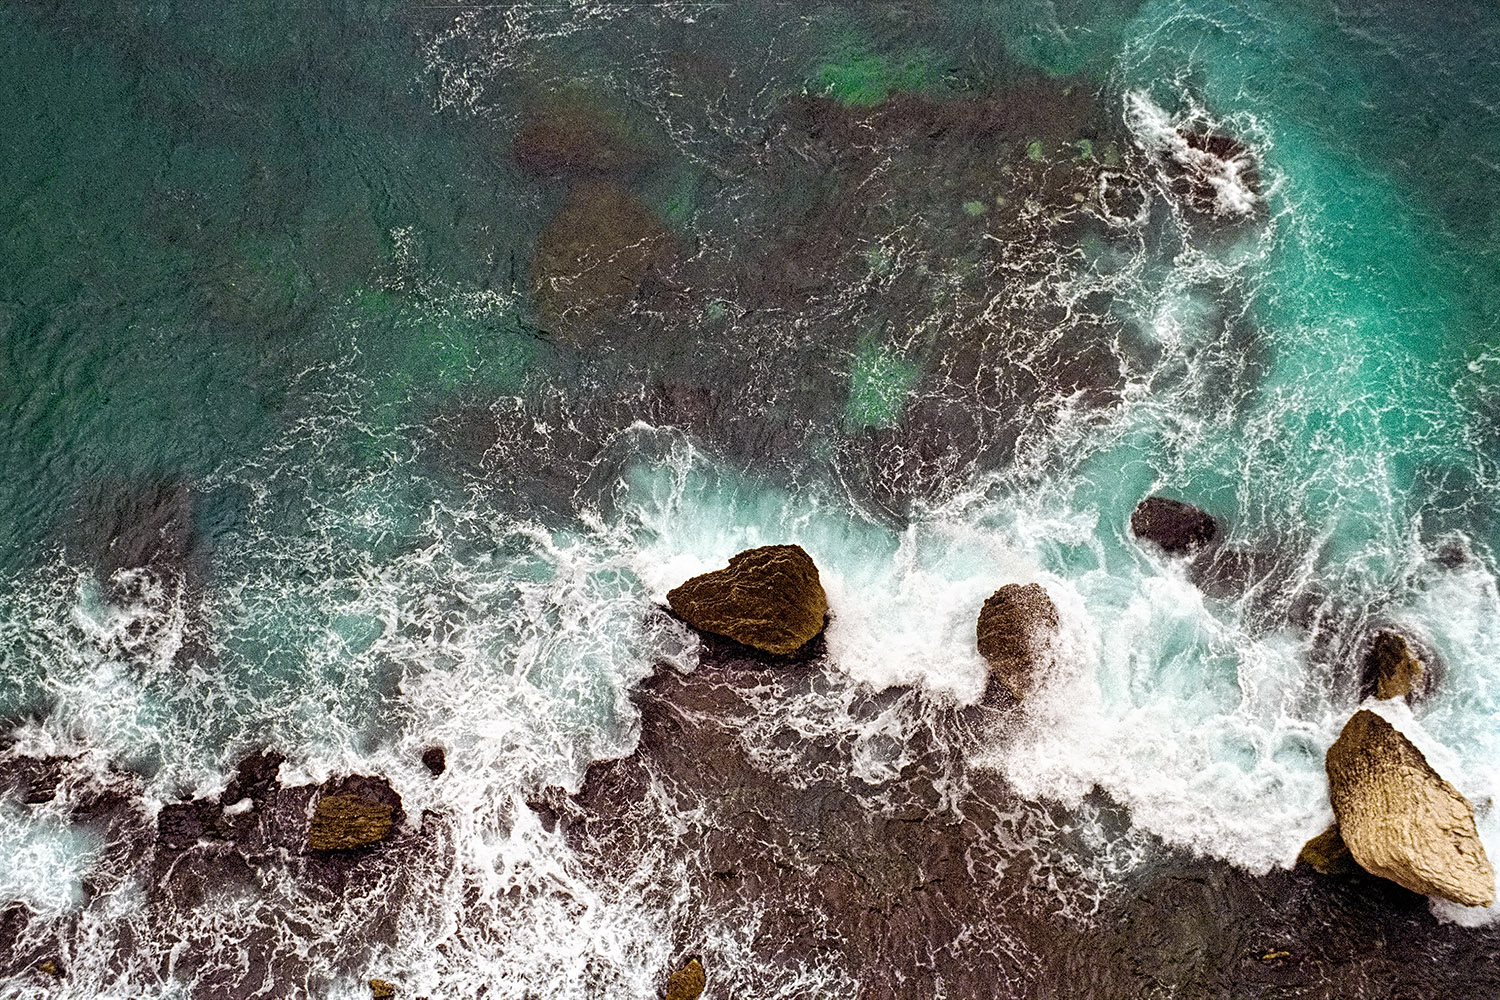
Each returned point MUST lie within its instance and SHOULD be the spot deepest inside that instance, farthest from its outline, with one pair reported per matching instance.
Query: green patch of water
(878, 386)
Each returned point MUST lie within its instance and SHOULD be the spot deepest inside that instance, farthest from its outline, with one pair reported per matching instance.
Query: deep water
(371, 372)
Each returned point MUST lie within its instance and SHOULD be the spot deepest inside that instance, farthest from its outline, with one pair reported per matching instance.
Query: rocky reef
(1178, 528)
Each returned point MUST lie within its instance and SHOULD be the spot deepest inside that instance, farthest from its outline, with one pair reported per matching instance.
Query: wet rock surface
(767, 598)
(1016, 626)
(687, 983)
(1177, 527)
(1393, 668)
(352, 813)
(935, 878)
(1400, 819)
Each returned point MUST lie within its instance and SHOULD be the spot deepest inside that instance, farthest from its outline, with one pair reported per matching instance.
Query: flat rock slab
(769, 598)
(1400, 819)
(352, 813)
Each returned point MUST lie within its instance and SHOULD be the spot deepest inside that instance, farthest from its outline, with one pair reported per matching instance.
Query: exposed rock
(352, 813)
(593, 257)
(1213, 173)
(255, 778)
(50, 967)
(1016, 625)
(435, 759)
(569, 135)
(1400, 819)
(381, 990)
(1176, 526)
(768, 598)
(687, 982)
(1328, 854)
(1394, 667)
(34, 779)
(181, 825)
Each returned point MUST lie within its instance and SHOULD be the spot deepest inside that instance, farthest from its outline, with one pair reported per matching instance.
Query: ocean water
(296, 456)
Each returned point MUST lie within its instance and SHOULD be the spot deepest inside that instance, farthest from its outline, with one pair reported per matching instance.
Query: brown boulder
(382, 990)
(769, 598)
(1400, 819)
(687, 982)
(1016, 625)
(1176, 526)
(593, 257)
(1397, 671)
(352, 813)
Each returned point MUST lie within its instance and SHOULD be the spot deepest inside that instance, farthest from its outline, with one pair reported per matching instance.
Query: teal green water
(282, 258)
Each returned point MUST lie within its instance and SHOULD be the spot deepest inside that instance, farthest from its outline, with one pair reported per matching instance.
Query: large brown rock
(1395, 667)
(593, 257)
(1176, 526)
(1400, 819)
(352, 813)
(1016, 626)
(769, 598)
(687, 982)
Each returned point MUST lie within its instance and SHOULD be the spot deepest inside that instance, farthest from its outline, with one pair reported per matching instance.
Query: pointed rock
(1400, 819)
(768, 598)
(1016, 626)
(1328, 854)
(1394, 665)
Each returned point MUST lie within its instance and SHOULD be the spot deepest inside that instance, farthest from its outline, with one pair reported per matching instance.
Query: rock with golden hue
(769, 598)
(1016, 626)
(1397, 671)
(382, 990)
(352, 813)
(1400, 819)
(592, 258)
(1328, 854)
(687, 982)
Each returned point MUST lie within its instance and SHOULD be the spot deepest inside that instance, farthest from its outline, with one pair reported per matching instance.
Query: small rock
(1328, 854)
(1016, 625)
(435, 760)
(1400, 819)
(687, 982)
(352, 813)
(50, 967)
(381, 990)
(1397, 671)
(254, 779)
(1176, 526)
(768, 598)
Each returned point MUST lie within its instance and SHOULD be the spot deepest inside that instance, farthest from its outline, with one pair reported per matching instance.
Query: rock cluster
(1016, 626)
(768, 598)
(1400, 819)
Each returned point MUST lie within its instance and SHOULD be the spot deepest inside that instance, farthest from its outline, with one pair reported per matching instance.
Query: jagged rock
(1016, 625)
(352, 813)
(180, 825)
(50, 967)
(1176, 526)
(569, 135)
(254, 779)
(382, 990)
(687, 982)
(768, 598)
(1400, 819)
(1213, 173)
(1328, 854)
(593, 257)
(1396, 670)
(34, 779)
(435, 760)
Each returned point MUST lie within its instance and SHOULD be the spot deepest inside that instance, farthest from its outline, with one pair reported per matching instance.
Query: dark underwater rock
(687, 983)
(435, 759)
(255, 778)
(353, 813)
(592, 259)
(1328, 854)
(34, 780)
(1393, 668)
(1176, 526)
(181, 825)
(1214, 174)
(1400, 819)
(767, 598)
(569, 135)
(1016, 625)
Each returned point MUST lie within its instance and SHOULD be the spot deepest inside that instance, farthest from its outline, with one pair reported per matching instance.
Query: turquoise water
(270, 273)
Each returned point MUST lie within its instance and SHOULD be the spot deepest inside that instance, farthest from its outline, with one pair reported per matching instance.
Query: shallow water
(297, 456)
